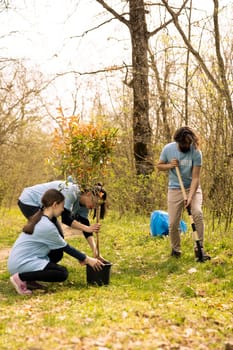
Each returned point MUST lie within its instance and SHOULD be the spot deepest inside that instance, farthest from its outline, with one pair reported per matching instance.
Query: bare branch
(114, 13)
(164, 25)
(104, 70)
(191, 48)
(221, 65)
(92, 29)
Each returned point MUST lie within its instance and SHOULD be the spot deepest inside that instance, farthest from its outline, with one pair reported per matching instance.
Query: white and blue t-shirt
(79, 210)
(186, 163)
(30, 251)
(32, 195)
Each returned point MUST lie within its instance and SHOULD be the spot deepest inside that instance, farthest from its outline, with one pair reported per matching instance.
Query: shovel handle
(97, 233)
(181, 183)
(195, 235)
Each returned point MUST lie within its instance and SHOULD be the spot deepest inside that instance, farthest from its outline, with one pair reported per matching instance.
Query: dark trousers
(51, 273)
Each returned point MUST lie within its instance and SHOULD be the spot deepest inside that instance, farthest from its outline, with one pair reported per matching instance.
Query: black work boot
(175, 253)
(205, 256)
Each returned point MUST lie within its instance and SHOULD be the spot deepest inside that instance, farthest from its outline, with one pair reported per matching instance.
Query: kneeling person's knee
(63, 274)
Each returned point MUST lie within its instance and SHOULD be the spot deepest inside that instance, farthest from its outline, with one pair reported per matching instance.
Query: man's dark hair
(186, 133)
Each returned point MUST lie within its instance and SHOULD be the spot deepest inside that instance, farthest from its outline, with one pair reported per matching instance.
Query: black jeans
(51, 273)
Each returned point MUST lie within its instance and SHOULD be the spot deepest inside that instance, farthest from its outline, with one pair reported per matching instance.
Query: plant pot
(101, 277)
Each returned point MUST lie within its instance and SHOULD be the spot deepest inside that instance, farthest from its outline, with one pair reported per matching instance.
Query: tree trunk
(142, 132)
(141, 127)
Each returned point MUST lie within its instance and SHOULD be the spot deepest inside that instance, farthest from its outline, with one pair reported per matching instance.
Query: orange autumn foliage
(82, 150)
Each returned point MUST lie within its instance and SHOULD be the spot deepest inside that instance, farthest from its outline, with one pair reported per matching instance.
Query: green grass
(153, 301)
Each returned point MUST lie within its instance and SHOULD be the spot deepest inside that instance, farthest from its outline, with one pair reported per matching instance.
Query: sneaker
(176, 253)
(205, 256)
(35, 285)
(20, 286)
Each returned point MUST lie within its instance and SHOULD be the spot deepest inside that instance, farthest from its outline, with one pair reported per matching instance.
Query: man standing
(184, 153)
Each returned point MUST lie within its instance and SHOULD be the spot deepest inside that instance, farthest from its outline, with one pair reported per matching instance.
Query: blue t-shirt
(32, 195)
(78, 209)
(30, 252)
(186, 163)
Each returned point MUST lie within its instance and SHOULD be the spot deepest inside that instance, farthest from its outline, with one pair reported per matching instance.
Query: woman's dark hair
(49, 197)
(185, 132)
(100, 192)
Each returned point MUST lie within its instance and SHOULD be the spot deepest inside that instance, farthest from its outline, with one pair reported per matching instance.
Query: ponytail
(33, 220)
(49, 197)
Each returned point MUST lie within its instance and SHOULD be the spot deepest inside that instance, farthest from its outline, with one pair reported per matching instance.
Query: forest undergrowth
(153, 301)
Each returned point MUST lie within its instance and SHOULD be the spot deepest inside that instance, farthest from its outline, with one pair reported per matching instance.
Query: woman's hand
(99, 257)
(96, 264)
(93, 228)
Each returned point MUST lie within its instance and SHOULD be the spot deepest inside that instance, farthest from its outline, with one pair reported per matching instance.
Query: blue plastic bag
(159, 223)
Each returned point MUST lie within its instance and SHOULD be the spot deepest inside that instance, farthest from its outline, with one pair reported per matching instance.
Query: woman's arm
(83, 258)
(78, 226)
(68, 220)
(74, 252)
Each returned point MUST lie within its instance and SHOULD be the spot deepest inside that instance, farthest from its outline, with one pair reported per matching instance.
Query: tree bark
(142, 133)
(141, 127)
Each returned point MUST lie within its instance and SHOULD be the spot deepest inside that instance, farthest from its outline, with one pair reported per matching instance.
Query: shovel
(97, 237)
(195, 234)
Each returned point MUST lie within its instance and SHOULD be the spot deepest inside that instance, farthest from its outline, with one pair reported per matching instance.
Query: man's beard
(184, 149)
